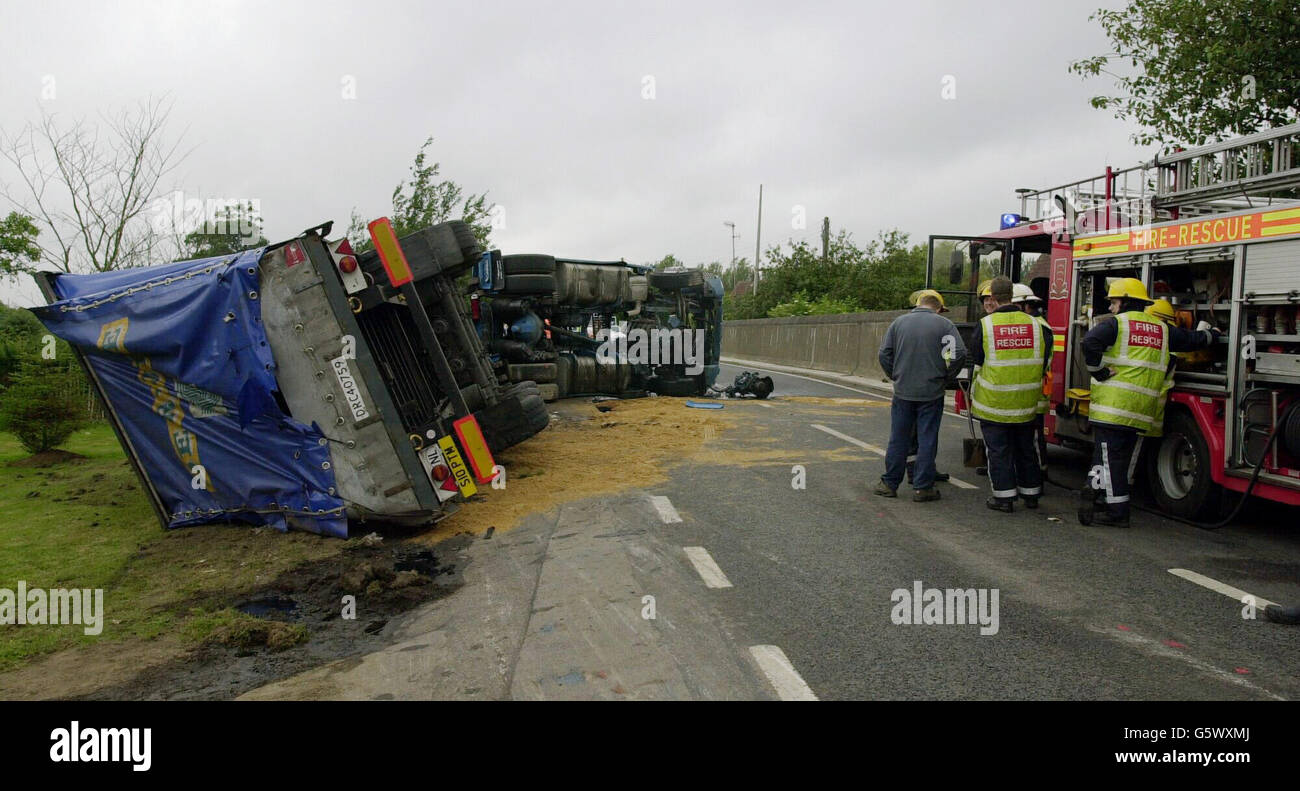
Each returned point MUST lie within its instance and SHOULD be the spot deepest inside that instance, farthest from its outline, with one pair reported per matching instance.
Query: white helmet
(1022, 293)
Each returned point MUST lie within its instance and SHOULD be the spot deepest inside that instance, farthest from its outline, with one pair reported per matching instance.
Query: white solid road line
(708, 570)
(780, 673)
(1218, 587)
(951, 479)
(665, 508)
(847, 438)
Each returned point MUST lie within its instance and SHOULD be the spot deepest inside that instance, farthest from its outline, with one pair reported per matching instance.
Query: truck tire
(513, 420)
(529, 284)
(446, 248)
(528, 264)
(521, 389)
(1178, 470)
(677, 386)
(675, 281)
(469, 246)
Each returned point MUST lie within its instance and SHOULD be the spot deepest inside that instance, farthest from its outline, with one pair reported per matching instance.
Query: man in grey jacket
(921, 352)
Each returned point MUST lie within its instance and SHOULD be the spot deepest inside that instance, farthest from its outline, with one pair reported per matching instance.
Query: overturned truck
(301, 384)
(581, 327)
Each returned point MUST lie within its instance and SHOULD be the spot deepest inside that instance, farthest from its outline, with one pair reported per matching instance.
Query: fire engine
(1216, 231)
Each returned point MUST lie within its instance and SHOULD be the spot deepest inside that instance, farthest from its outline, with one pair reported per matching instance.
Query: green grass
(88, 524)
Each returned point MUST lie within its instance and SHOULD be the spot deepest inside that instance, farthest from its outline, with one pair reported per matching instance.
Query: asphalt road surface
(770, 571)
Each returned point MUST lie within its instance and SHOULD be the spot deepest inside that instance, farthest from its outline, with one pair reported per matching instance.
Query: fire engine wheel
(1179, 470)
(528, 264)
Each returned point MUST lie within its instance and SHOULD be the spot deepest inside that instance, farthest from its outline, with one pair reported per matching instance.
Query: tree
(18, 249)
(1202, 70)
(878, 276)
(90, 186)
(428, 199)
(43, 404)
(667, 261)
(236, 228)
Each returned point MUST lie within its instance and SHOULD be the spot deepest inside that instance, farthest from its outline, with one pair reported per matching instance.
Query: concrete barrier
(845, 343)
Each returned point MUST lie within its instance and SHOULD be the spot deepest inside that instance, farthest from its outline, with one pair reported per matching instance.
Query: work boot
(925, 495)
(1287, 615)
(1031, 501)
(1000, 504)
(981, 470)
(883, 490)
(939, 477)
(1087, 504)
(1109, 518)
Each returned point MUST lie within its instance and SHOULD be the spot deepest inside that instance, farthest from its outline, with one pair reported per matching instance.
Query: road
(731, 582)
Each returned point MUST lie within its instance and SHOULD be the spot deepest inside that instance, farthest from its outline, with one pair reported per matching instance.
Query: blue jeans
(923, 417)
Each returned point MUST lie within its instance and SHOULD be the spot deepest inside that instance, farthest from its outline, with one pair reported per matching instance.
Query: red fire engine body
(1216, 231)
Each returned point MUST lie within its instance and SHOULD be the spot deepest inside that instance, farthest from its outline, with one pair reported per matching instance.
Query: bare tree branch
(90, 186)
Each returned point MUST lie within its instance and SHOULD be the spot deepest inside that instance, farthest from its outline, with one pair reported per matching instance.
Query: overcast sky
(837, 108)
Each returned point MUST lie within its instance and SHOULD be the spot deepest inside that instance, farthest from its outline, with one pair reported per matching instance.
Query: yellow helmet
(1161, 309)
(917, 296)
(1128, 288)
(986, 288)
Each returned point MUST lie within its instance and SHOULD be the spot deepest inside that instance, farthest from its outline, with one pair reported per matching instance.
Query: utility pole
(734, 236)
(826, 240)
(758, 236)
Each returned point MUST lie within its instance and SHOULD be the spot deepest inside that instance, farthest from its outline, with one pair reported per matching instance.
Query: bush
(42, 405)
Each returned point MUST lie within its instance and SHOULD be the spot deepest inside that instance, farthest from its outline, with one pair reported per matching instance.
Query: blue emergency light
(1010, 220)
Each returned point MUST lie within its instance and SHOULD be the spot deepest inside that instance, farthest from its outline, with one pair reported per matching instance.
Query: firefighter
(990, 305)
(1011, 351)
(1128, 357)
(1030, 303)
(986, 297)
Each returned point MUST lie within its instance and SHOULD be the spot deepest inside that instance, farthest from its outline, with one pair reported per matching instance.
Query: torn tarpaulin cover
(184, 363)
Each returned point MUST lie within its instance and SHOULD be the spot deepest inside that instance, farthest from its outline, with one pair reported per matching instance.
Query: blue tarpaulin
(184, 364)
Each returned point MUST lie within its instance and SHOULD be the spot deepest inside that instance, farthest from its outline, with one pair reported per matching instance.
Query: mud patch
(290, 625)
(48, 458)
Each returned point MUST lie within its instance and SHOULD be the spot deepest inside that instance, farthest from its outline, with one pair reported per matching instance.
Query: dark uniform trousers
(1112, 452)
(1013, 459)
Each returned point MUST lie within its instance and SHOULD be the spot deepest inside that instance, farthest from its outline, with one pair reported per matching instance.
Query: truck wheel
(446, 248)
(469, 246)
(521, 389)
(1178, 470)
(675, 281)
(528, 264)
(529, 284)
(513, 420)
(679, 386)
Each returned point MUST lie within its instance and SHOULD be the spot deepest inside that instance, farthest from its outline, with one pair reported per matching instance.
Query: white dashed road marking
(1218, 587)
(960, 484)
(708, 570)
(847, 438)
(780, 673)
(665, 508)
